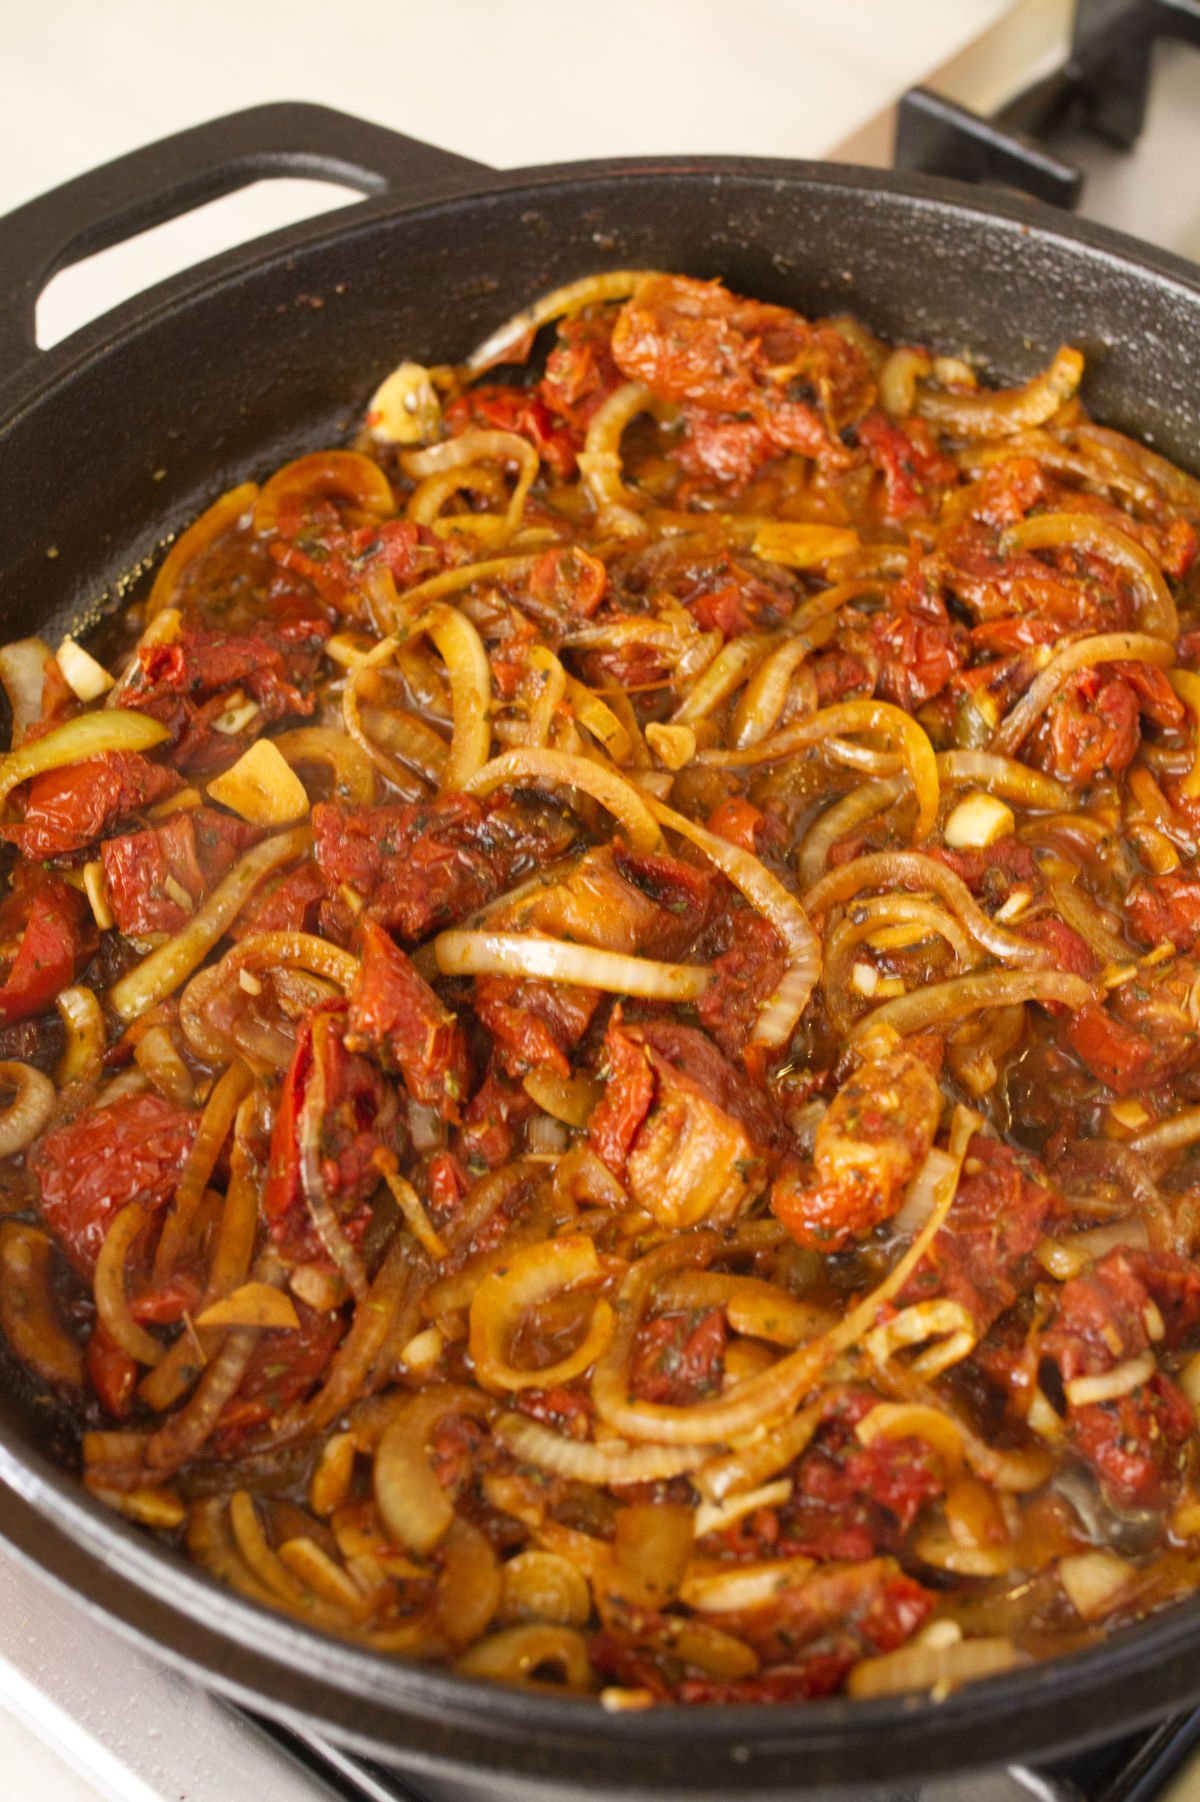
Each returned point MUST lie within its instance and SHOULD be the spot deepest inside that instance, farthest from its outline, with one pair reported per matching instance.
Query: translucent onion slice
(87, 735)
(155, 1055)
(996, 413)
(1091, 921)
(865, 802)
(555, 960)
(932, 1667)
(395, 611)
(602, 1464)
(29, 1112)
(944, 1327)
(339, 475)
(224, 512)
(712, 1587)
(1187, 687)
(527, 1279)
(353, 777)
(467, 666)
(846, 717)
(22, 672)
(544, 1586)
(903, 1420)
(160, 974)
(517, 1654)
(150, 1507)
(475, 447)
(1100, 647)
(898, 378)
(257, 1305)
(468, 1594)
(766, 691)
(570, 1099)
(536, 768)
(1130, 459)
(780, 1012)
(510, 342)
(600, 460)
(400, 734)
(601, 721)
(186, 1430)
(1004, 776)
(413, 1506)
(87, 1040)
(548, 680)
(728, 670)
(915, 870)
(939, 1002)
(764, 1399)
(27, 1312)
(802, 544)
(1093, 1581)
(1086, 531)
(1169, 1136)
(112, 1304)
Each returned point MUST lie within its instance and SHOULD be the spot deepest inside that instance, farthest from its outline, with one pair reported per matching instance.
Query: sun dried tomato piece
(66, 810)
(89, 1169)
(396, 1018)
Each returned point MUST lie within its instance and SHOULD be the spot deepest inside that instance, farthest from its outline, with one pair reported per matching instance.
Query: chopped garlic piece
(865, 978)
(1129, 1114)
(978, 821)
(349, 649)
(937, 1634)
(238, 713)
(714, 1517)
(424, 1350)
(1110, 1385)
(248, 981)
(1093, 1580)
(615, 1700)
(175, 891)
(673, 745)
(1016, 904)
(86, 678)
(261, 788)
(405, 408)
(1115, 976)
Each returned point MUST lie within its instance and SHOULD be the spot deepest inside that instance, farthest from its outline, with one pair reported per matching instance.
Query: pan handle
(163, 180)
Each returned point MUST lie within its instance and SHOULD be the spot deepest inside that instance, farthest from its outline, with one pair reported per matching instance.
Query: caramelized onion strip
(1085, 531)
(939, 1002)
(1081, 653)
(996, 413)
(915, 870)
(556, 960)
(160, 974)
(538, 768)
(845, 717)
(29, 1112)
(781, 1010)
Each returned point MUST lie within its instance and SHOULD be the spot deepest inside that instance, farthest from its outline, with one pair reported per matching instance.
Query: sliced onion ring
(30, 1110)
(559, 769)
(556, 960)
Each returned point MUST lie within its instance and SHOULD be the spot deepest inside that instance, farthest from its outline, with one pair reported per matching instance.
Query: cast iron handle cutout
(164, 180)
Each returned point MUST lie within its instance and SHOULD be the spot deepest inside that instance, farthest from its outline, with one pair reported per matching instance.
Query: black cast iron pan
(121, 433)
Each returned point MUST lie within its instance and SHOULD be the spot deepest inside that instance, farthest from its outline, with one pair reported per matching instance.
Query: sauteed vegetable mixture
(601, 1022)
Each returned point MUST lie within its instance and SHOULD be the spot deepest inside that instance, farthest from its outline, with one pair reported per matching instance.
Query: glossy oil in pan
(123, 432)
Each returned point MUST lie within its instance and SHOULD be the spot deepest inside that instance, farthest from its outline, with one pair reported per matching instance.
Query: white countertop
(532, 81)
